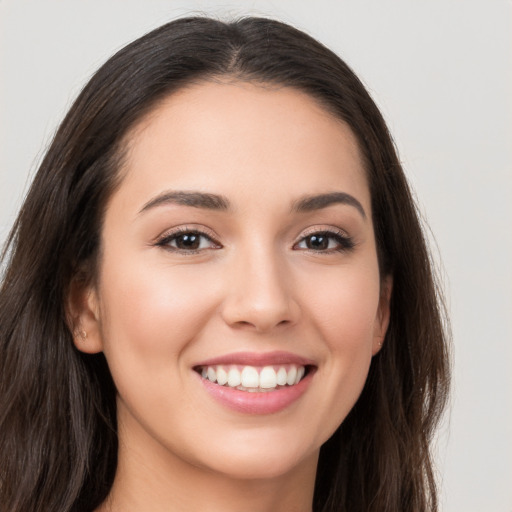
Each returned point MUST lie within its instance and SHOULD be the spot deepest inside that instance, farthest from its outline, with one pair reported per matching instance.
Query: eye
(187, 241)
(325, 241)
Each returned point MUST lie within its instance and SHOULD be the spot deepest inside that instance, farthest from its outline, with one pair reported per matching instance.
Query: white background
(440, 71)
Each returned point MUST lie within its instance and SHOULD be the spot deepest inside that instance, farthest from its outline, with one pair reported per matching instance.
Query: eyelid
(346, 244)
(163, 239)
(312, 230)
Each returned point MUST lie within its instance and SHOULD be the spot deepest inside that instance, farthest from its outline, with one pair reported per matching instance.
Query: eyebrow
(194, 199)
(317, 202)
(221, 203)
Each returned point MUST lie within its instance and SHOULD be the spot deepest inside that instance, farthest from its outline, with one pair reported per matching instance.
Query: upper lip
(258, 359)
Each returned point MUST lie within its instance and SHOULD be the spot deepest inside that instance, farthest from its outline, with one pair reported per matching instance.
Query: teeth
(281, 376)
(250, 377)
(222, 376)
(268, 378)
(234, 378)
(300, 373)
(292, 375)
(253, 379)
(211, 374)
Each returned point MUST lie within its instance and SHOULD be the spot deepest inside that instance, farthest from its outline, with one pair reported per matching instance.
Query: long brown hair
(58, 440)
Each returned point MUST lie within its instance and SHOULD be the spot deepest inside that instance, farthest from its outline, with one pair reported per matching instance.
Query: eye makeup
(325, 241)
(187, 240)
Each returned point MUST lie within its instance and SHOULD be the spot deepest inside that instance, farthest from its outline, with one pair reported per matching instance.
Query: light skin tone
(274, 191)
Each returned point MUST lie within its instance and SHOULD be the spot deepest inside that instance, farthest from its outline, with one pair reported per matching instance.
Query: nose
(259, 293)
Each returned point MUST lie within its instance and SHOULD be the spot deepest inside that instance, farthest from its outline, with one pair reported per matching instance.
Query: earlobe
(383, 314)
(83, 317)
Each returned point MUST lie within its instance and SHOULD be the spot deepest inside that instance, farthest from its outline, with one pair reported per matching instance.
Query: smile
(253, 378)
(252, 383)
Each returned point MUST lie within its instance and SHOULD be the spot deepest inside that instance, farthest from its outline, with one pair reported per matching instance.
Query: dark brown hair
(58, 441)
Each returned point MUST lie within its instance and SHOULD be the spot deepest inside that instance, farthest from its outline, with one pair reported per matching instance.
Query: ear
(383, 314)
(83, 316)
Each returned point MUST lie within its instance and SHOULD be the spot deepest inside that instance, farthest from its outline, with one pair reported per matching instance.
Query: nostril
(241, 324)
(260, 325)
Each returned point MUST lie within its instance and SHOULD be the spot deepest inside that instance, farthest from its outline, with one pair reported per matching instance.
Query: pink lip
(258, 359)
(258, 402)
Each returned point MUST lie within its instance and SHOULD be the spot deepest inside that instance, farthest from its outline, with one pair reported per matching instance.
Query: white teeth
(281, 376)
(222, 376)
(268, 378)
(234, 378)
(292, 374)
(211, 374)
(252, 378)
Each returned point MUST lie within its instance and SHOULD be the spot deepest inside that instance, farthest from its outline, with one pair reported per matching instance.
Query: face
(238, 301)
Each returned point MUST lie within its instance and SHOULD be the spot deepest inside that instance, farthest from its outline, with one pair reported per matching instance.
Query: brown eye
(317, 242)
(187, 241)
(326, 241)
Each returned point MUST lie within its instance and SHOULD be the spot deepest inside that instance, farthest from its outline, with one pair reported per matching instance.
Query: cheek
(150, 316)
(155, 312)
(343, 314)
(345, 309)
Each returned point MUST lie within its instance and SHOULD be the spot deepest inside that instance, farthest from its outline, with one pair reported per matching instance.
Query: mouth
(256, 383)
(255, 379)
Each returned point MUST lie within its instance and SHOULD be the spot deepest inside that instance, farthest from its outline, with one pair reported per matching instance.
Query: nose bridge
(259, 292)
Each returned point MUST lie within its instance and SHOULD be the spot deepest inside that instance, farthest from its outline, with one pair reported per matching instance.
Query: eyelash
(166, 240)
(345, 243)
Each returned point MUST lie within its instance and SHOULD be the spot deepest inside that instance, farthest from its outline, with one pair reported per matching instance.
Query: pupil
(317, 242)
(188, 241)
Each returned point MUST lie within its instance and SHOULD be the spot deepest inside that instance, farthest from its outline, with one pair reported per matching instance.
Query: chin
(261, 461)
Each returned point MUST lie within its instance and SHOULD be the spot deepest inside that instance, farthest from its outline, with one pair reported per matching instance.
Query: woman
(218, 282)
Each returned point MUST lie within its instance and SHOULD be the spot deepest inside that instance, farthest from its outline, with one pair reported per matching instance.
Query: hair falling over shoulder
(58, 440)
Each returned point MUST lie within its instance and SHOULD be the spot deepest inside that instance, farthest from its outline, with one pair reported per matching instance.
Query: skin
(156, 311)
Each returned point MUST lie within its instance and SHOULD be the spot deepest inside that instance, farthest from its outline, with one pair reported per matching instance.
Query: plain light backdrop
(441, 71)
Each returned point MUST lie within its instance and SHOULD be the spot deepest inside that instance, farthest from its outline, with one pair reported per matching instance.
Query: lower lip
(267, 402)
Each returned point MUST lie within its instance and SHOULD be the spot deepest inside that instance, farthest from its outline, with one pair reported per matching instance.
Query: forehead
(243, 139)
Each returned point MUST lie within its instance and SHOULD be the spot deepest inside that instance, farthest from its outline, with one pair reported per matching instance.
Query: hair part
(57, 405)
